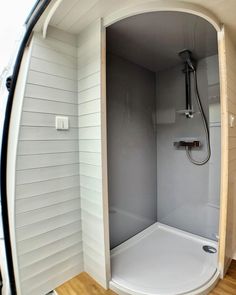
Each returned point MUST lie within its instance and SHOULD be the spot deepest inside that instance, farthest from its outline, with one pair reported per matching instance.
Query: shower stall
(119, 147)
(163, 142)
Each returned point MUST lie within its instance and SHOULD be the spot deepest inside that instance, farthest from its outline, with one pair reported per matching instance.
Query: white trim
(49, 16)
(104, 155)
(163, 5)
(204, 290)
(11, 155)
(222, 266)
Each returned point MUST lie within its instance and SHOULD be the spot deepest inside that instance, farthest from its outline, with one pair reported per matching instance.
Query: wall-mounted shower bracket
(189, 67)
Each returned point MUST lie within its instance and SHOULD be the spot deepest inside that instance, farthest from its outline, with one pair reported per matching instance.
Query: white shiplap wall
(90, 146)
(47, 204)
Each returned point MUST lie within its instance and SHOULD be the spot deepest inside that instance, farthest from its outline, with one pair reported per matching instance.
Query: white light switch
(231, 121)
(62, 123)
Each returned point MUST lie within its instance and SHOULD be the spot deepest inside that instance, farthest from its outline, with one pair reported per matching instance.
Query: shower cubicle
(163, 136)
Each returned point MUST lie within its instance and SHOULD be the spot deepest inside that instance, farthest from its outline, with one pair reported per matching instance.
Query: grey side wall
(131, 148)
(188, 195)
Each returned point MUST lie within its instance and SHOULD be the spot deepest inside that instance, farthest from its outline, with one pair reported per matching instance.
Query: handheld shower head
(186, 56)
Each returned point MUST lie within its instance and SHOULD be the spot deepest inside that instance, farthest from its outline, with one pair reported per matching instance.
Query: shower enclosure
(163, 136)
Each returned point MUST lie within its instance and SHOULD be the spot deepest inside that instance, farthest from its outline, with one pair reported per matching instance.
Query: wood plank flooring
(227, 286)
(83, 284)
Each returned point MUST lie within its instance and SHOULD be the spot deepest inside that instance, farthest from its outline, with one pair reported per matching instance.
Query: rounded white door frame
(163, 5)
(175, 6)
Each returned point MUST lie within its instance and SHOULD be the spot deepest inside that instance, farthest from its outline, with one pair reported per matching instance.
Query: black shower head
(186, 56)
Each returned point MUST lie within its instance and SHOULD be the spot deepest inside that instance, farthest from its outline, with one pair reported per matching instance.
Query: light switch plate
(62, 123)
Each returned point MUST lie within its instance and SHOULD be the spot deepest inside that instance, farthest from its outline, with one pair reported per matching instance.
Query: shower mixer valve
(189, 144)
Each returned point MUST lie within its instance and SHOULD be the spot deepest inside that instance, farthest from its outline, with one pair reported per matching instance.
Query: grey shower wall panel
(185, 198)
(131, 148)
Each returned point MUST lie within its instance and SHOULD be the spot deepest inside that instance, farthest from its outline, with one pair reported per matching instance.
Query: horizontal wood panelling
(47, 133)
(45, 173)
(94, 269)
(32, 270)
(91, 195)
(88, 58)
(31, 217)
(58, 45)
(41, 201)
(89, 107)
(89, 94)
(57, 272)
(89, 82)
(92, 206)
(90, 170)
(45, 239)
(39, 254)
(89, 40)
(28, 147)
(49, 107)
(55, 34)
(92, 223)
(40, 65)
(54, 56)
(44, 187)
(89, 112)
(90, 120)
(46, 160)
(65, 274)
(44, 226)
(91, 145)
(90, 239)
(94, 253)
(91, 183)
(88, 69)
(44, 120)
(47, 202)
(55, 167)
(90, 158)
(90, 133)
(51, 81)
(48, 93)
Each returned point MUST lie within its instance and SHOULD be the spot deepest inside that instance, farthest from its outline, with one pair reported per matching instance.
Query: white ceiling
(73, 15)
(153, 40)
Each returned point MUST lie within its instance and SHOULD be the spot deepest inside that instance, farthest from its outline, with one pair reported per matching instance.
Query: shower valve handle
(190, 144)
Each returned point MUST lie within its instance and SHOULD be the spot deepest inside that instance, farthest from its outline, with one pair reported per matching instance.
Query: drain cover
(209, 249)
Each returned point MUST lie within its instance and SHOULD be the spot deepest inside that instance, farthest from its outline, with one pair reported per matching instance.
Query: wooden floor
(227, 286)
(83, 284)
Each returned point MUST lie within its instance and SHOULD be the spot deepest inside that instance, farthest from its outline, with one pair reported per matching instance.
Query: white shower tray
(162, 260)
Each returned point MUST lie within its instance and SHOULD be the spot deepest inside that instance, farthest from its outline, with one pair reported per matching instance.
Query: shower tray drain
(209, 249)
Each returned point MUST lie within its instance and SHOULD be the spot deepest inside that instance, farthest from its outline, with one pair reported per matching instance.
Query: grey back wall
(131, 148)
(142, 131)
(185, 199)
